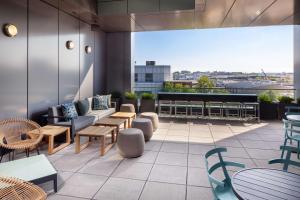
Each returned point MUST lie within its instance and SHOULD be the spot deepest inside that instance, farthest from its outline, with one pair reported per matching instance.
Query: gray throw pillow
(84, 106)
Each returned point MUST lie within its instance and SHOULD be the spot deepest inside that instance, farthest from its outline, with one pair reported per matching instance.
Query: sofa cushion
(101, 113)
(84, 106)
(69, 111)
(100, 103)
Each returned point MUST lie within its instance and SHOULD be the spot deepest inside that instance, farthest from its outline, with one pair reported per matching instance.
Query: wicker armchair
(15, 135)
(12, 189)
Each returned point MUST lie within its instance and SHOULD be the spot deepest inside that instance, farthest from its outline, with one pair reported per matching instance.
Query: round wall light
(88, 49)
(10, 30)
(70, 45)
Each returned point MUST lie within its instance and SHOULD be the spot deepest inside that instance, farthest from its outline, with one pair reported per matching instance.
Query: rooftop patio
(172, 166)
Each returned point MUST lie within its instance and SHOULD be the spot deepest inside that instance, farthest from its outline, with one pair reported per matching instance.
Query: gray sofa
(55, 117)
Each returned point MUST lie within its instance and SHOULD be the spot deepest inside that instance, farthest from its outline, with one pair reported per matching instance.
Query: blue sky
(229, 49)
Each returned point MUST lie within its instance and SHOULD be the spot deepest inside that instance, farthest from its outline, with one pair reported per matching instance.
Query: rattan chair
(15, 135)
(13, 189)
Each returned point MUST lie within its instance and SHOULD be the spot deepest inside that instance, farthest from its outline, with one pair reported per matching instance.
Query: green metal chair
(292, 134)
(222, 190)
(287, 161)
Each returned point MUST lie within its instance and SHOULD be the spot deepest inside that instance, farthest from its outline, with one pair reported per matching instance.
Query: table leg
(113, 136)
(77, 144)
(51, 144)
(117, 132)
(102, 150)
(129, 122)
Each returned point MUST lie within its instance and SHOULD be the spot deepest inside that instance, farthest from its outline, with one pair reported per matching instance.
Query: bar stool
(196, 108)
(215, 109)
(181, 108)
(165, 107)
(233, 109)
(250, 110)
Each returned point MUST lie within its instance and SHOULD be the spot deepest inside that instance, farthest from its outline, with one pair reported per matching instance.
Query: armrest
(59, 117)
(215, 181)
(113, 104)
(234, 164)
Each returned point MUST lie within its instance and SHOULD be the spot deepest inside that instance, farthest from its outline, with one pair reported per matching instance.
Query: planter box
(282, 110)
(147, 105)
(132, 101)
(269, 111)
(118, 103)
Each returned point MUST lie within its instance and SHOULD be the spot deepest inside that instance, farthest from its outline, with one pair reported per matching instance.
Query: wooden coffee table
(125, 115)
(114, 122)
(95, 131)
(51, 132)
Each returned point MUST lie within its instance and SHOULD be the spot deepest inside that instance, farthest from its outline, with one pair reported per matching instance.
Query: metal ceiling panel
(143, 6)
(213, 14)
(118, 23)
(277, 13)
(244, 12)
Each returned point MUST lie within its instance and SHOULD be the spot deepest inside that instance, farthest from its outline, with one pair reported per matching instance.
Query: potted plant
(117, 98)
(268, 106)
(131, 98)
(147, 102)
(283, 102)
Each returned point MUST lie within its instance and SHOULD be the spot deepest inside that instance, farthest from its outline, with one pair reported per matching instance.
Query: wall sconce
(10, 30)
(70, 45)
(88, 49)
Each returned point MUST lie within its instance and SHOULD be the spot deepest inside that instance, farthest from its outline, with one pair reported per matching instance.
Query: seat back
(287, 160)
(290, 127)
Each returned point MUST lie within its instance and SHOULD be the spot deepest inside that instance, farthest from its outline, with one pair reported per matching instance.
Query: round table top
(293, 117)
(262, 183)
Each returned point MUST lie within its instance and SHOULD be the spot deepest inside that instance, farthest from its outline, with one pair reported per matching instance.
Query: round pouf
(145, 125)
(127, 108)
(131, 142)
(153, 117)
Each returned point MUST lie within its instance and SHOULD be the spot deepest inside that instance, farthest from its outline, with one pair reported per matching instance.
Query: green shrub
(285, 99)
(130, 96)
(148, 96)
(264, 98)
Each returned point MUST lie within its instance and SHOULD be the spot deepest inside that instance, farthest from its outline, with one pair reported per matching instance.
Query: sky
(228, 49)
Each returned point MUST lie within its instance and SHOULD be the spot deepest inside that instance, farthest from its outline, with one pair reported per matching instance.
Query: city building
(150, 77)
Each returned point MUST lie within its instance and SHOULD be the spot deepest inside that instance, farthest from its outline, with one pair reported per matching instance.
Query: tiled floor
(172, 166)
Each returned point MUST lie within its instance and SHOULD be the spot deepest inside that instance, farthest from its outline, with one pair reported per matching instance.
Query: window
(136, 79)
(148, 77)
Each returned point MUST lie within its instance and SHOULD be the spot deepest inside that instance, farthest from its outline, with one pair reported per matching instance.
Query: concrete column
(119, 62)
(297, 60)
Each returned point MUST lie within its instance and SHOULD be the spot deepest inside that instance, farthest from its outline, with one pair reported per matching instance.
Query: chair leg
(284, 144)
(37, 150)
(13, 155)
(1, 158)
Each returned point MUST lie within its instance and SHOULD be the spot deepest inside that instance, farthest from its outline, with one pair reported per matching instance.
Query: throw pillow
(100, 103)
(84, 106)
(69, 111)
(109, 100)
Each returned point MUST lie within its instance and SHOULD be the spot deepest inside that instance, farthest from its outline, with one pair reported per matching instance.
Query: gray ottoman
(153, 117)
(127, 108)
(131, 142)
(145, 125)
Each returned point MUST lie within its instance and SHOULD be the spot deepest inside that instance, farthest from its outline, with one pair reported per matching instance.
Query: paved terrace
(172, 166)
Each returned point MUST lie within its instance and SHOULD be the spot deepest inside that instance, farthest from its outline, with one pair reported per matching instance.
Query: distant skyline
(228, 49)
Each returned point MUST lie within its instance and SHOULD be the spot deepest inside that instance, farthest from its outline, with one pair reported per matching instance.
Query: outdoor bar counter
(206, 97)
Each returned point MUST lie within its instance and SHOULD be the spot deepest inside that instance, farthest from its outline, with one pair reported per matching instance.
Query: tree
(205, 82)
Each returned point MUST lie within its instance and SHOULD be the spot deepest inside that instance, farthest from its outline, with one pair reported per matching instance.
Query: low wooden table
(95, 131)
(263, 183)
(114, 122)
(125, 115)
(51, 132)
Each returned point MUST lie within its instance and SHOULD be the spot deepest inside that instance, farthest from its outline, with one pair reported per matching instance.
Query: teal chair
(222, 190)
(290, 133)
(287, 161)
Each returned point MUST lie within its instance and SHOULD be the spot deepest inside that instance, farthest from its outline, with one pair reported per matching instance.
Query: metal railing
(277, 91)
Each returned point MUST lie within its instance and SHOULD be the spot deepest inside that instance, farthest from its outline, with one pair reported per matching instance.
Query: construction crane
(262, 70)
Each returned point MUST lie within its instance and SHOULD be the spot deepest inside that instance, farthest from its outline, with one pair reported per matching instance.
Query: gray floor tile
(61, 197)
(202, 193)
(72, 162)
(196, 160)
(165, 158)
(133, 170)
(168, 174)
(147, 157)
(120, 189)
(263, 154)
(163, 191)
(82, 185)
(197, 177)
(153, 145)
(174, 147)
(200, 148)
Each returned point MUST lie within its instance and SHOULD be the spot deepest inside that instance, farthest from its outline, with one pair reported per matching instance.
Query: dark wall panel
(86, 61)
(99, 69)
(13, 60)
(42, 57)
(68, 59)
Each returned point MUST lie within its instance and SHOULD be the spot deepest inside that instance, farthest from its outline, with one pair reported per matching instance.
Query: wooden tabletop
(293, 117)
(123, 115)
(50, 130)
(96, 131)
(266, 184)
(111, 121)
